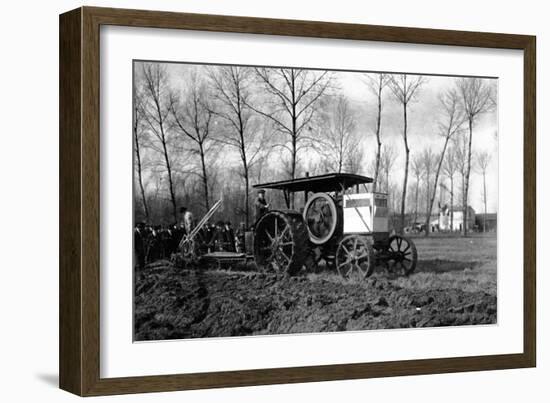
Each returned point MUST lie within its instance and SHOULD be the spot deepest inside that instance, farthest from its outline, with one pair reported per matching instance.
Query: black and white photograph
(273, 200)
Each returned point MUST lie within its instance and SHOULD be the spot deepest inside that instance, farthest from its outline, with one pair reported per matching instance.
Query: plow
(189, 244)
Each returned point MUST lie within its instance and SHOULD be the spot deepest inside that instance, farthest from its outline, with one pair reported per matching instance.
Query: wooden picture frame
(79, 348)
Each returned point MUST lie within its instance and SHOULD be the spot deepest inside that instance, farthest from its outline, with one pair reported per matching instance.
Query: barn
(490, 221)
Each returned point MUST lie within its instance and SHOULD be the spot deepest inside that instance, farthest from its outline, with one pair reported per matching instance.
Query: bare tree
(483, 159)
(192, 115)
(461, 148)
(477, 98)
(428, 164)
(450, 169)
(418, 172)
(291, 105)
(157, 104)
(405, 90)
(232, 91)
(261, 162)
(139, 134)
(356, 160)
(338, 142)
(376, 83)
(387, 159)
(450, 124)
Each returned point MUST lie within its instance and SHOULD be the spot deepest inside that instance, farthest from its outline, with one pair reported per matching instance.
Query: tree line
(278, 123)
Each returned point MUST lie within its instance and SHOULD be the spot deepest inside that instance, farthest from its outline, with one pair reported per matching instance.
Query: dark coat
(139, 249)
(260, 208)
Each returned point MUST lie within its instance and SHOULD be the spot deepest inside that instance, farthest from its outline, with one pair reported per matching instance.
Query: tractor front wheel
(355, 257)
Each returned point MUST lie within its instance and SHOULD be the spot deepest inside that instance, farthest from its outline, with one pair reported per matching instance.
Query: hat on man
(183, 209)
(261, 191)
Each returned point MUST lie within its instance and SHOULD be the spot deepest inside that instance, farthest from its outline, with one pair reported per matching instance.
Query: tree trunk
(140, 180)
(452, 204)
(428, 213)
(246, 181)
(416, 202)
(378, 142)
(467, 182)
(294, 141)
(407, 151)
(170, 183)
(432, 199)
(204, 178)
(246, 196)
(245, 164)
(484, 202)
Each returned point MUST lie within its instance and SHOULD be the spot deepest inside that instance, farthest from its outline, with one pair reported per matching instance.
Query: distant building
(444, 220)
(490, 220)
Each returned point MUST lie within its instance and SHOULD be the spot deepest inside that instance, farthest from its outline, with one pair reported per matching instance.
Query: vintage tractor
(339, 224)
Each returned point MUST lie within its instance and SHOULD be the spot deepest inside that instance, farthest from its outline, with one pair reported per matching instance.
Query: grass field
(444, 262)
(469, 264)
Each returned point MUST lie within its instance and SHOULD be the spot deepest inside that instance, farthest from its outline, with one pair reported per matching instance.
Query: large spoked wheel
(280, 242)
(355, 257)
(321, 217)
(402, 254)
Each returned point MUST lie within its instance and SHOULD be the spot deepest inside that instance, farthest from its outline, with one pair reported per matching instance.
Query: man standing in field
(260, 206)
(186, 219)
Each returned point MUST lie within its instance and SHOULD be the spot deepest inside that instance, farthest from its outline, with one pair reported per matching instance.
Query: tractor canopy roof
(320, 183)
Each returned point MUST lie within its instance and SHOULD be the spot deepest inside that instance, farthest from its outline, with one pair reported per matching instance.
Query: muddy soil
(172, 303)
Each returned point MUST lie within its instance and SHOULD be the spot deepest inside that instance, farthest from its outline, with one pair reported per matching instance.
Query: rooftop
(320, 183)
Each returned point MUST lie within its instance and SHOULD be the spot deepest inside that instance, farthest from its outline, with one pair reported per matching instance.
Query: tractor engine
(365, 213)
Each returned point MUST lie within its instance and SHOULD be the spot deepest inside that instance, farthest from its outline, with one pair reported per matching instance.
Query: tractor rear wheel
(355, 257)
(281, 242)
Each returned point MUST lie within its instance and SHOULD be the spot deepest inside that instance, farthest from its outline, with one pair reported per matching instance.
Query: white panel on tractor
(358, 213)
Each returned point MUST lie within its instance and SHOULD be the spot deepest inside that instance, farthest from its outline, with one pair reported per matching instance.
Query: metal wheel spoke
(345, 249)
(284, 232)
(363, 271)
(275, 265)
(345, 263)
(281, 252)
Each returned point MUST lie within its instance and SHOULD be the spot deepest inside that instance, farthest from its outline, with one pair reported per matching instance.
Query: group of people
(154, 242)
(221, 237)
